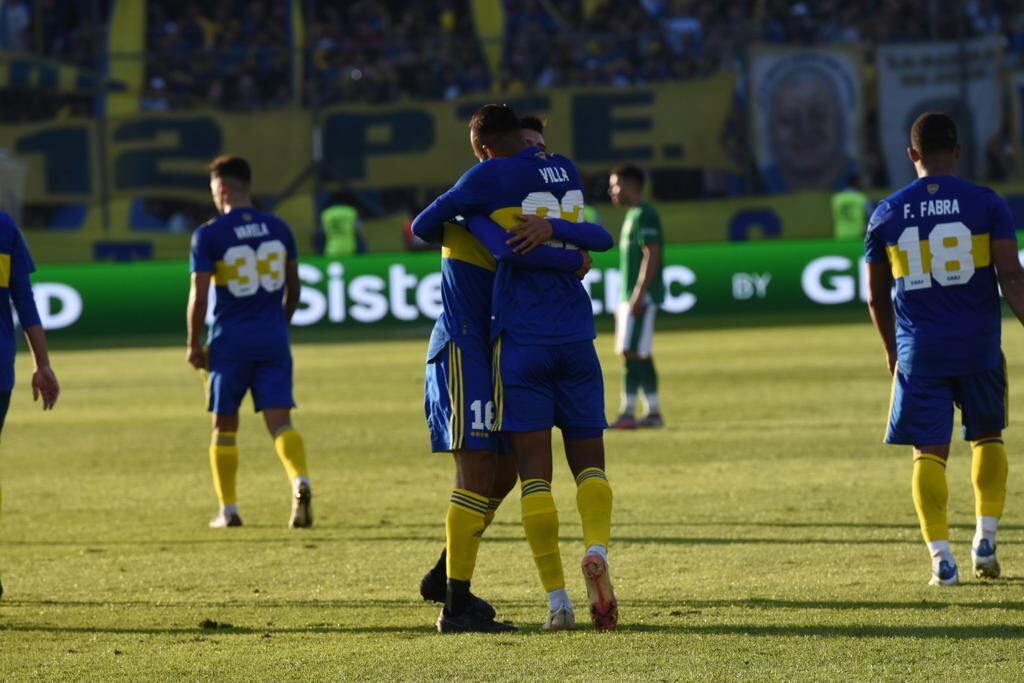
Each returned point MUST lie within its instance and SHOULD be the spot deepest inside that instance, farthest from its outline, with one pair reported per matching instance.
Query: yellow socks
(463, 526)
(292, 452)
(224, 465)
(594, 501)
(540, 522)
(988, 473)
(930, 496)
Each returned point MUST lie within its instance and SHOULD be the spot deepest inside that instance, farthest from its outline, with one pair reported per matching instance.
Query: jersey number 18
(952, 259)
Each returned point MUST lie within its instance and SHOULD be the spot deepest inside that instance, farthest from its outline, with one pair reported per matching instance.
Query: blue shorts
(269, 380)
(458, 400)
(540, 387)
(921, 412)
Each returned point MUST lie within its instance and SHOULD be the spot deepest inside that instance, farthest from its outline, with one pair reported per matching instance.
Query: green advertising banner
(140, 299)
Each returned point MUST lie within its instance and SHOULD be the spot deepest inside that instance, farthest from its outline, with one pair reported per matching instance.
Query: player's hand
(637, 306)
(197, 357)
(587, 262)
(44, 383)
(531, 232)
(890, 360)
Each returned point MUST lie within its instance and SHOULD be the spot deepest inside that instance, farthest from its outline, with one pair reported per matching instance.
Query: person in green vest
(341, 226)
(850, 211)
(642, 291)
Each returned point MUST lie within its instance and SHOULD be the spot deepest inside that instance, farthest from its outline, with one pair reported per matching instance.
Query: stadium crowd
(243, 54)
(246, 55)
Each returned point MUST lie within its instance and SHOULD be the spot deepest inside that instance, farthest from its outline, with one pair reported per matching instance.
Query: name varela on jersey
(934, 207)
(554, 174)
(251, 230)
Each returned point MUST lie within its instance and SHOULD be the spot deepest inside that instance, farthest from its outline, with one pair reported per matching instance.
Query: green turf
(766, 534)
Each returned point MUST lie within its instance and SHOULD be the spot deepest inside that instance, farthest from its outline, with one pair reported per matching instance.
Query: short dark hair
(235, 168)
(532, 123)
(630, 172)
(933, 133)
(493, 122)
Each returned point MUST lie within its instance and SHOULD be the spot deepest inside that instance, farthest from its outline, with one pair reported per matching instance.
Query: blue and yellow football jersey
(246, 251)
(935, 233)
(467, 280)
(540, 304)
(15, 288)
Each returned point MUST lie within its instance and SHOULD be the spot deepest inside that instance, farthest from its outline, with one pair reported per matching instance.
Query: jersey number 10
(952, 260)
(255, 268)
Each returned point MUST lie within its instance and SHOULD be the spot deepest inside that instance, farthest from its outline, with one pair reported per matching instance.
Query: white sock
(652, 403)
(600, 550)
(628, 403)
(558, 598)
(986, 529)
(229, 509)
(940, 551)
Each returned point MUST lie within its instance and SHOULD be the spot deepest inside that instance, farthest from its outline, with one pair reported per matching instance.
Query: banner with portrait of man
(806, 111)
(959, 79)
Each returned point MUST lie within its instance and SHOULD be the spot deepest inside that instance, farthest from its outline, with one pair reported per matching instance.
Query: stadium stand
(297, 56)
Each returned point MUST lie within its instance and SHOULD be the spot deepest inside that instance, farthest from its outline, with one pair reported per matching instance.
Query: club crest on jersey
(933, 188)
(554, 174)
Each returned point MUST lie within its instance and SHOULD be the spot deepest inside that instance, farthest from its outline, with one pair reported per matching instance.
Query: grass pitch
(765, 534)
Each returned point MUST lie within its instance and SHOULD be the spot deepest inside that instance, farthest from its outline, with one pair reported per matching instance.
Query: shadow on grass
(684, 607)
(670, 540)
(955, 632)
(436, 538)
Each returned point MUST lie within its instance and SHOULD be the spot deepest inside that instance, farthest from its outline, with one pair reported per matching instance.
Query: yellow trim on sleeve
(460, 245)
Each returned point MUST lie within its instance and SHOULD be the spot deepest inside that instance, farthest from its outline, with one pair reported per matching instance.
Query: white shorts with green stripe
(633, 334)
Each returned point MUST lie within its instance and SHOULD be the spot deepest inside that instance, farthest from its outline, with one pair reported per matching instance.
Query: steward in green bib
(850, 208)
(341, 230)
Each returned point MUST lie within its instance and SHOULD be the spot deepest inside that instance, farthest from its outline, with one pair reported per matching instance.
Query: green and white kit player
(642, 292)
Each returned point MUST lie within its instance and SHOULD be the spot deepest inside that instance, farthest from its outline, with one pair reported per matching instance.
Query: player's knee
(225, 423)
(475, 471)
(505, 477)
(277, 420)
(985, 437)
(937, 450)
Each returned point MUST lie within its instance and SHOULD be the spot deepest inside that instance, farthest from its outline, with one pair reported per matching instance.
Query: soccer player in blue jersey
(251, 258)
(16, 288)
(948, 245)
(460, 407)
(545, 367)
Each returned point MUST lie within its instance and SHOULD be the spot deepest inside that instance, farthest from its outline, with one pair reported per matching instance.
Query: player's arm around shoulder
(467, 194)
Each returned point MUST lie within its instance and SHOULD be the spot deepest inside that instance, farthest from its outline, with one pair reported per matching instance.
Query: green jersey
(641, 227)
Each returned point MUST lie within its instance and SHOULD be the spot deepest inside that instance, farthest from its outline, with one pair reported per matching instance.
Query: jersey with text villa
(532, 306)
(935, 234)
(246, 251)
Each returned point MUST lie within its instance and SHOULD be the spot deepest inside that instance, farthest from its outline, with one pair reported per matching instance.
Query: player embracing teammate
(545, 370)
